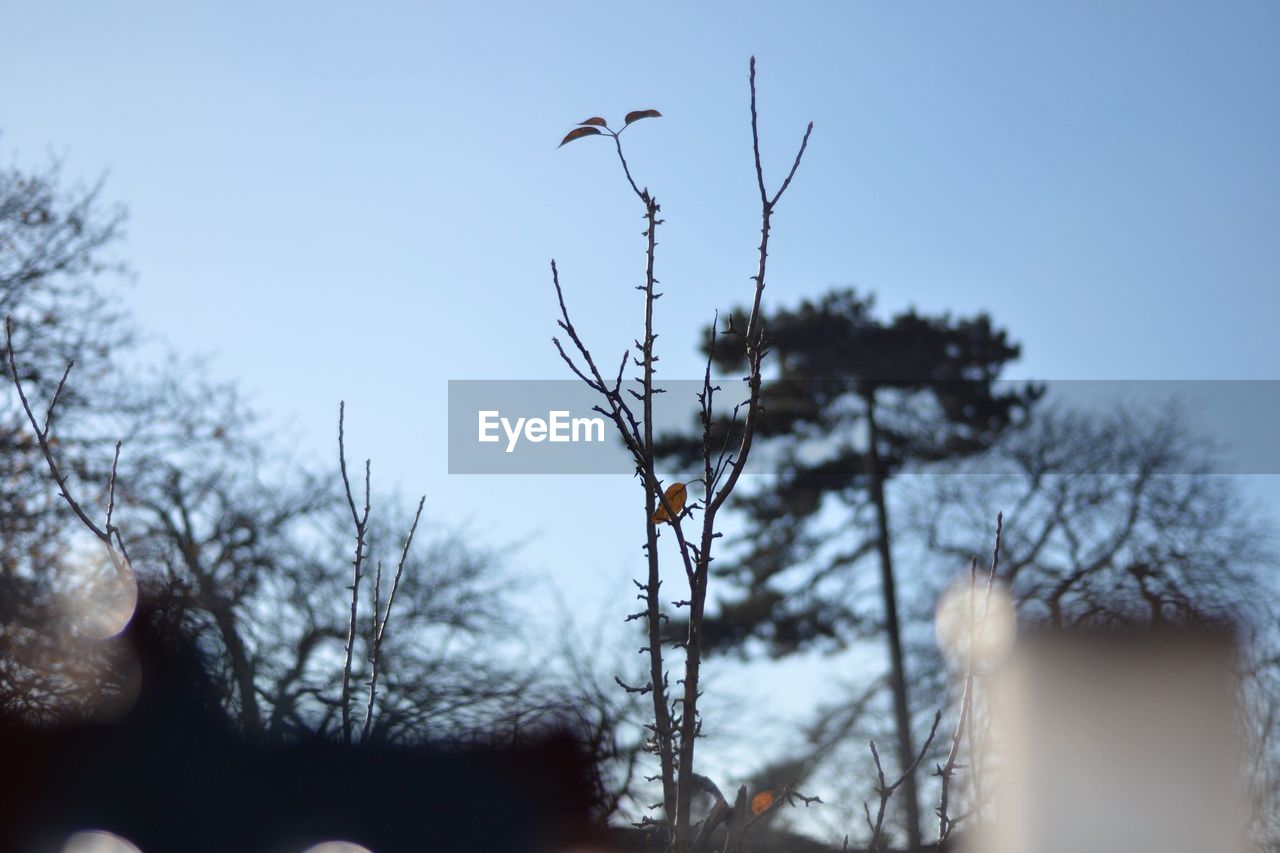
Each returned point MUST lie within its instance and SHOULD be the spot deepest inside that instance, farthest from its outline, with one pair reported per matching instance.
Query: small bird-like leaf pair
(591, 127)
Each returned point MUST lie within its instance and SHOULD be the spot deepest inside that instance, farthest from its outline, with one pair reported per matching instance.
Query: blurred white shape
(96, 598)
(969, 622)
(1115, 744)
(98, 841)
(337, 847)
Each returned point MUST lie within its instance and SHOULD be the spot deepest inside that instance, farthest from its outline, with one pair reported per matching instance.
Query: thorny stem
(662, 719)
(361, 520)
(676, 748)
(755, 350)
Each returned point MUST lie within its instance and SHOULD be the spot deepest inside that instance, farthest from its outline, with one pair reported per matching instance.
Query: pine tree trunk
(893, 631)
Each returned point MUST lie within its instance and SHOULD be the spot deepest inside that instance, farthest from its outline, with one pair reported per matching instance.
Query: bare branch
(676, 722)
(361, 524)
(116, 552)
(804, 143)
(977, 627)
(886, 791)
(380, 627)
(755, 135)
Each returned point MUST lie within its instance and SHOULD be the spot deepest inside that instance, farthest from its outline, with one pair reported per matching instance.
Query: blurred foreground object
(173, 772)
(1115, 742)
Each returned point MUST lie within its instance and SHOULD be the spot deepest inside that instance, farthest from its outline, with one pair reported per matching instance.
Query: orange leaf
(578, 133)
(675, 494)
(636, 115)
(596, 121)
(761, 802)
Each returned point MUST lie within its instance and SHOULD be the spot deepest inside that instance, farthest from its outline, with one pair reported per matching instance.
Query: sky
(359, 201)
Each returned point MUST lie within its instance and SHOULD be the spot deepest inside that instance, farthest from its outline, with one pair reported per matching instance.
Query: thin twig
(886, 791)
(977, 628)
(361, 520)
(380, 627)
(110, 536)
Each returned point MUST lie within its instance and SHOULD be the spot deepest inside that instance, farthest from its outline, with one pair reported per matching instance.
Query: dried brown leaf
(578, 133)
(636, 115)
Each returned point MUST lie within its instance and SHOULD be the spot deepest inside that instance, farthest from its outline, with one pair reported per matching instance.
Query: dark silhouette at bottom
(173, 774)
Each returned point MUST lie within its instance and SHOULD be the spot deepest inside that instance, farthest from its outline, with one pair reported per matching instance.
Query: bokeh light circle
(972, 627)
(95, 595)
(98, 841)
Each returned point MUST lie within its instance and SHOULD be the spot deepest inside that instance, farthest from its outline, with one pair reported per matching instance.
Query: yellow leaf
(675, 495)
(761, 802)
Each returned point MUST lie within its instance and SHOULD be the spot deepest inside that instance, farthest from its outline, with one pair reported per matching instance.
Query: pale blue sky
(359, 201)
